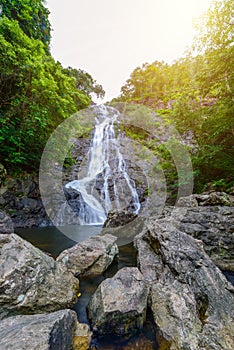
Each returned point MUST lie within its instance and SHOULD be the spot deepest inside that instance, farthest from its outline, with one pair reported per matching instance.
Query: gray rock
(90, 257)
(119, 304)
(214, 225)
(6, 224)
(189, 201)
(31, 281)
(29, 204)
(207, 199)
(191, 300)
(53, 331)
(118, 218)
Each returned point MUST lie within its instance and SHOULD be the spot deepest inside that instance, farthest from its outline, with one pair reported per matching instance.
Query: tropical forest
(116, 217)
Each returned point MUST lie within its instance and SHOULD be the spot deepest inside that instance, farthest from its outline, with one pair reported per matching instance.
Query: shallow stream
(52, 241)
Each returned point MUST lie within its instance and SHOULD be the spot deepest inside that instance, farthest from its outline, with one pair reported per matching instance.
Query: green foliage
(36, 96)
(37, 93)
(31, 15)
(196, 94)
(85, 82)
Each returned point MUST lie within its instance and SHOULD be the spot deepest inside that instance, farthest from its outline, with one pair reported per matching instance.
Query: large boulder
(116, 218)
(191, 300)
(119, 304)
(214, 225)
(31, 281)
(90, 257)
(6, 224)
(54, 331)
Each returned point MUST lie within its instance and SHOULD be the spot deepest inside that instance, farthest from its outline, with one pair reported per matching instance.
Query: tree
(85, 82)
(215, 42)
(36, 97)
(199, 92)
(32, 16)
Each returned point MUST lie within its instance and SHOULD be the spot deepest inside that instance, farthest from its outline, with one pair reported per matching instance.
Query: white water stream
(105, 160)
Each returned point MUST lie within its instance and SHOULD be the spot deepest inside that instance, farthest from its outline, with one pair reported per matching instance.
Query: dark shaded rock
(191, 300)
(6, 224)
(31, 281)
(53, 331)
(3, 174)
(74, 199)
(118, 218)
(119, 304)
(21, 199)
(90, 257)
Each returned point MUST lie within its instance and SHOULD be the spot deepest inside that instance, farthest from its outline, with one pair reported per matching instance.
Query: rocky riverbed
(177, 278)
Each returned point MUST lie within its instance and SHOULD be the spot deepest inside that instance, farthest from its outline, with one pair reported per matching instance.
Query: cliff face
(21, 199)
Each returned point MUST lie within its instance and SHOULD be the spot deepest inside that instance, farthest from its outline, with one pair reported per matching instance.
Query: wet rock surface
(119, 304)
(6, 224)
(191, 300)
(20, 198)
(53, 331)
(90, 257)
(32, 281)
(82, 337)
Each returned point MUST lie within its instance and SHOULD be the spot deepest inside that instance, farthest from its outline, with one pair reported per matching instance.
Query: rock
(214, 225)
(6, 224)
(53, 331)
(148, 262)
(90, 257)
(118, 218)
(207, 199)
(125, 234)
(191, 300)
(21, 199)
(29, 204)
(82, 337)
(119, 304)
(189, 201)
(31, 281)
(3, 174)
(231, 190)
(215, 198)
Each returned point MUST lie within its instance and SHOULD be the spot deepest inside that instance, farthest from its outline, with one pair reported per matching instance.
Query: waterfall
(105, 162)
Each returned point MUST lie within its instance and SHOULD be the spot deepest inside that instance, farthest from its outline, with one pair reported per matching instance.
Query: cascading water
(105, 161)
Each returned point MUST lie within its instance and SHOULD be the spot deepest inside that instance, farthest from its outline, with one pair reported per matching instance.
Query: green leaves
(32, 17)
(36, 96)
(196, 93)
(85, 83)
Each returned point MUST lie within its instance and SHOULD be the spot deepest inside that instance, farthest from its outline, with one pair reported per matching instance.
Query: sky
(110, 38)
